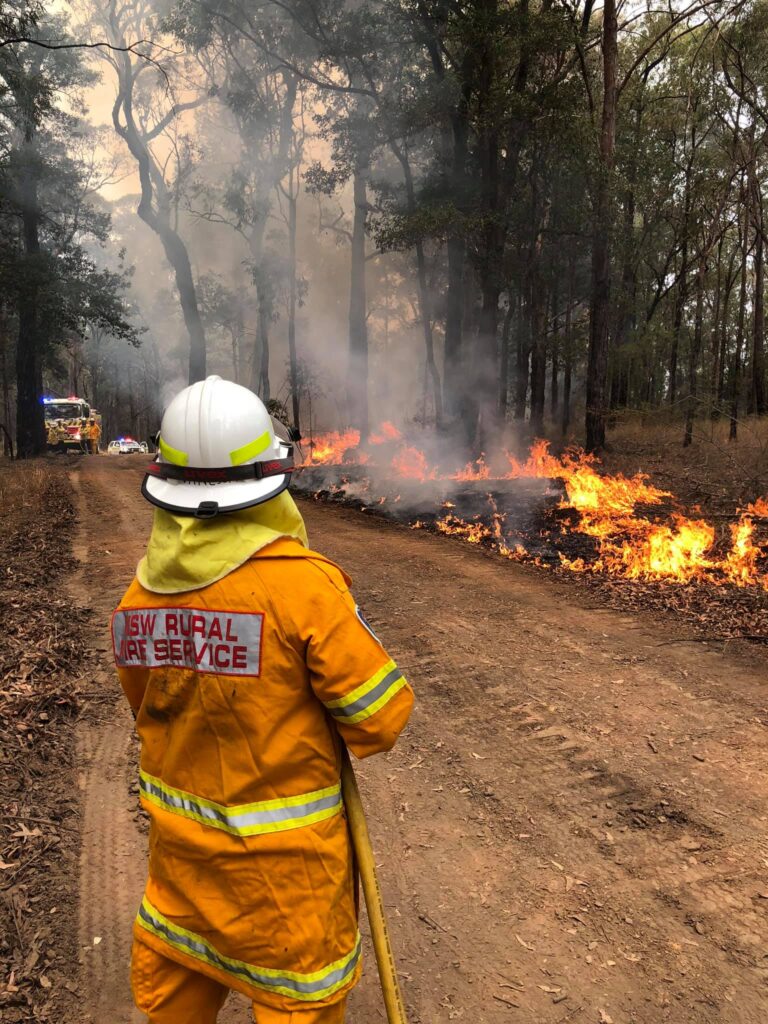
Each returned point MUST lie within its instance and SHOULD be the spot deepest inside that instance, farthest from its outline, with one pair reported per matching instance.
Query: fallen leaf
(525, 944)
(26, 833)
(44, 981)
(550, 989)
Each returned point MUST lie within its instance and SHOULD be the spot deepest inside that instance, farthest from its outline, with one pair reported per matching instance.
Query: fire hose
(361, 842)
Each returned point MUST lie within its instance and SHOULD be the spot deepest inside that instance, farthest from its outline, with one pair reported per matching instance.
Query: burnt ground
(573, 827)
(529, 515)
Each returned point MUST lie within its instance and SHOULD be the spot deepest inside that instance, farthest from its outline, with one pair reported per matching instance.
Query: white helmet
(218, 452)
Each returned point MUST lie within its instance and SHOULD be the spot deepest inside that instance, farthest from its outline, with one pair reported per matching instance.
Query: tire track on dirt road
(573, 823)
(111, 858)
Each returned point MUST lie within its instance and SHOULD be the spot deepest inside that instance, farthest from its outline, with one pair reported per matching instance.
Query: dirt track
(573, 827)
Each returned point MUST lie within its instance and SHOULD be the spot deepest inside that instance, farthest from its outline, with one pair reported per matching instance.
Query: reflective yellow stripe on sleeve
(369, 697)
(307, 987)
(254, 819)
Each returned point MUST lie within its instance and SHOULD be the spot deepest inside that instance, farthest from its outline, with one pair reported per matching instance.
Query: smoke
(219, 235)
(169, 389)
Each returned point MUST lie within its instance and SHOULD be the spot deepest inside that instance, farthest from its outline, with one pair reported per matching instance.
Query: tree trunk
(565, 421)
(177, 255)
(425, 306)
(30, 418)
(425, 310)
(597, 368)
(261, 367)
(454, 321)
(723, 346)
(538, 359)
(694, 352)
(6, 420)
(292, 359)
(715, 328)
(735, 381)
(682, 292)
(504, 362)
(485, 362)
(357, 379)
(453, 364)
(554, 346)
(154, 211)
(757, 397)
(522, 355)
(626, 321)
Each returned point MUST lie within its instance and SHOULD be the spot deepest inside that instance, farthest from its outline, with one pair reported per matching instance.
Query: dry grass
(22, 486)
(712, 472)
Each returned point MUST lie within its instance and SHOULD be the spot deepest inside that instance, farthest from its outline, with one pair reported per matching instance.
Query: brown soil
(573, 827)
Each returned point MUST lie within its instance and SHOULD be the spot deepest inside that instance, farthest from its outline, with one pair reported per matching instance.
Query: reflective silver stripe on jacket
(307, 987)
(368, 699)
(245, 819)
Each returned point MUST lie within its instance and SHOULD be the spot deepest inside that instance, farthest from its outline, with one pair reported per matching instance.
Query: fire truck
(64, 422)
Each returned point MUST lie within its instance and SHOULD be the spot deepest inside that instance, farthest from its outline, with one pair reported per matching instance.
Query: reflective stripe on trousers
(173, 993)
(244, 819)
(369, 697)
(306, 987)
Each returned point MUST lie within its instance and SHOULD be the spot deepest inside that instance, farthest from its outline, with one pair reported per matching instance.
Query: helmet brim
(188, 498)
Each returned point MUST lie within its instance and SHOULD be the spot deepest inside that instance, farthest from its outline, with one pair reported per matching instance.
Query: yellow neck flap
(185, 553)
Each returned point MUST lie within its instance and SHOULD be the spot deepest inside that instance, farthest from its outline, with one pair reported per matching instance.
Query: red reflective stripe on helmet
(216, 474)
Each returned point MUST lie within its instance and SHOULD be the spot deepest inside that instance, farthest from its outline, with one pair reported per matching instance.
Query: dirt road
(573, 828)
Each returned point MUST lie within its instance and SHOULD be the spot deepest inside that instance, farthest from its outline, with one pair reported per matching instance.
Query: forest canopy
(491, 219)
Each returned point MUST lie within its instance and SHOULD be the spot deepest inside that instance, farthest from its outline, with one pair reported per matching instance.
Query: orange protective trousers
(170, 993)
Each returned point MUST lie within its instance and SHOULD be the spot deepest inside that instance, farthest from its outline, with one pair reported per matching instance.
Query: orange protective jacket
(240, 691)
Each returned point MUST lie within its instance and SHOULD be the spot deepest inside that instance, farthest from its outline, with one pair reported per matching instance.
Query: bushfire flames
(634, 537)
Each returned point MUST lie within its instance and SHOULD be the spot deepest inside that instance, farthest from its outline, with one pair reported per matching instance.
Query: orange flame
(473, 471)
(412, 464)
(330, 449)
(388, 432)
(633, 541)
(759, 508)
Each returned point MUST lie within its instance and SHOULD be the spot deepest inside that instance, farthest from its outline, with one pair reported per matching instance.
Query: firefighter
(94, 435)
(62, 436)
(247, 665)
